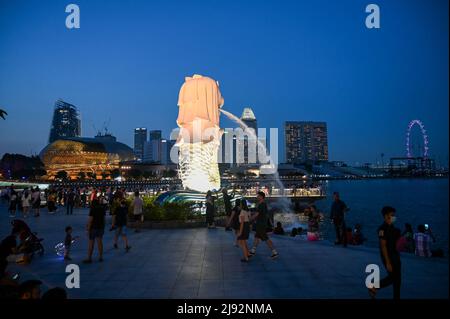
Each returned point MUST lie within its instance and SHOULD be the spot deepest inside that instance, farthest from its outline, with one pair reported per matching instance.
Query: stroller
(29, 242)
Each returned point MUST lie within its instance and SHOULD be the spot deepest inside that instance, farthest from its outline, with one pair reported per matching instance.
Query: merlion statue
(199, 102)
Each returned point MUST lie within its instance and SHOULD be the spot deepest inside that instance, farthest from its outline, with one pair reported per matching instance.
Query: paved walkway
(201, 263)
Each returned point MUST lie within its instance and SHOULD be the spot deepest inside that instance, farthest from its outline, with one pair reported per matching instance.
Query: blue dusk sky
(290, 61)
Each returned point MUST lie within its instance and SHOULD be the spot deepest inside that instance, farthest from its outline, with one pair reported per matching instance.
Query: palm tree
(3, 113)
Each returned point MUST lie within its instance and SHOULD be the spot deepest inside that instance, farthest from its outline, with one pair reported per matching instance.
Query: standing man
(138, 205)
(338, 210)
(262, 218)
(70, 201)
(119, 223)
(227, 204)
(388, 235)
(96, 229)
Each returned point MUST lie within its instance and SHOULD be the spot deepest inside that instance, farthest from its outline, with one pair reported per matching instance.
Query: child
(68, 243)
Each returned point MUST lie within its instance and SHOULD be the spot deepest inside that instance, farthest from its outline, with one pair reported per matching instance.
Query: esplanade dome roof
(99, 144)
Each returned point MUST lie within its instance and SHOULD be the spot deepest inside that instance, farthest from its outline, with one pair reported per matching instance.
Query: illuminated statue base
(198, 168)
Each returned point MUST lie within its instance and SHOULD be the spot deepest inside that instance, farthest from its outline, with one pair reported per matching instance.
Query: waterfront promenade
(202, 263)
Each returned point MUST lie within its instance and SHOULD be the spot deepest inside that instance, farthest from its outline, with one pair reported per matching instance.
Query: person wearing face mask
(388, 235)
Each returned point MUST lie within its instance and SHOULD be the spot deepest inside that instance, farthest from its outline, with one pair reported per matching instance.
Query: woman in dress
(234, 220)
(244, 229)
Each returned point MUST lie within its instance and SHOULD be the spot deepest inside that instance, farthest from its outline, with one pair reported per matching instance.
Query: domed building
(98, 155)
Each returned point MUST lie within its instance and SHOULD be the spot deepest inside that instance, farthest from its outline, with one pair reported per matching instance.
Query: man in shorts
(119, 223)
(95, 228)
(261, 218)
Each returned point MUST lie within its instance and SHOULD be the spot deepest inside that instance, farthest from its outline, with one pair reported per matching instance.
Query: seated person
(358, 237)
(349, 234)
(313, 220)
(30, 289)
(278, 230)
(406, 241)
(422, 241)
(302, 234)
(294, 232)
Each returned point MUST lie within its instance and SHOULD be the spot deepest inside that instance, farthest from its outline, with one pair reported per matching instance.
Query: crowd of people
(56, 199)
(19, 245)
(241, 219)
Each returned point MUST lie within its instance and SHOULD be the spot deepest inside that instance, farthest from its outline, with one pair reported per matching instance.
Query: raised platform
(202, 263)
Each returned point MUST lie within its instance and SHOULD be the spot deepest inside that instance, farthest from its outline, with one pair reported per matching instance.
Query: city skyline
(365, 84)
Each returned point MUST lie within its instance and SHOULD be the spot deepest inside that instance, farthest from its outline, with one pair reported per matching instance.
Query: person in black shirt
(233, 221)
(261, 217)
(70, 201)
(338, 210)
(388, 235)
(119, 223)
(96, 229)
(227, 204)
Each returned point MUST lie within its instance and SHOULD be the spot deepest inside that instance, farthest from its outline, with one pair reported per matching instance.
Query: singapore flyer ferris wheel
(411, 124)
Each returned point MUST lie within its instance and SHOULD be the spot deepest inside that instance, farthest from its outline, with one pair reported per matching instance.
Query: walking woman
(233, 222)
(244, 229)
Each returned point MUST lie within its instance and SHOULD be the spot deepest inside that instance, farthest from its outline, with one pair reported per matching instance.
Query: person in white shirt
(26, 202)
(36, 201)
(138, 210)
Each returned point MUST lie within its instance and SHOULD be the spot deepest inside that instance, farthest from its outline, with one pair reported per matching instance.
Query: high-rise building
(228, 147)
(166, 148)
(140, 138)
(305, 141)
(153, 148)
(250, 154)
(66, 122)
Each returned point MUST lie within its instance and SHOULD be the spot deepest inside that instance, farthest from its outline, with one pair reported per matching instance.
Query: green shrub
(179, 211)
